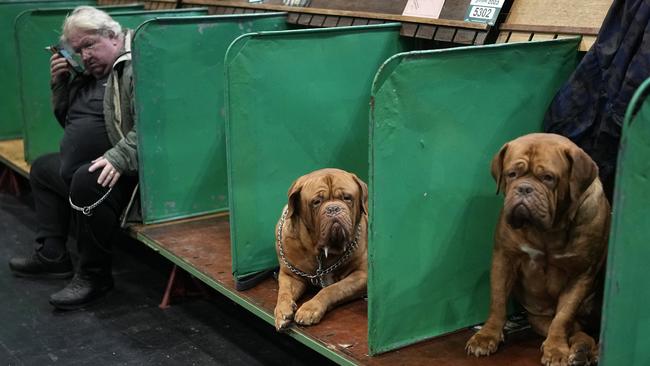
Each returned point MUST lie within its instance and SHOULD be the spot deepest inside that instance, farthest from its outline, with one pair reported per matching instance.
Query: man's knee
(84, 189)
(45, 168)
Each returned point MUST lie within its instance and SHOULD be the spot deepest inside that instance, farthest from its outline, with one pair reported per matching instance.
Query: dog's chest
(540, 275)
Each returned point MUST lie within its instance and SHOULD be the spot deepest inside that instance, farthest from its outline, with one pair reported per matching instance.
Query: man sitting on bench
(90, 182)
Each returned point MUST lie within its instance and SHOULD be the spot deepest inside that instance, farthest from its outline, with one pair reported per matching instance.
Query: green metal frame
(11, 119)
(36, 29)
(438, 118)
(625, 328)
(296, 101)
(179, 109)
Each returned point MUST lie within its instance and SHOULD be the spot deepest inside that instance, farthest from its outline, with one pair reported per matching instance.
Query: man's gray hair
(90, 20)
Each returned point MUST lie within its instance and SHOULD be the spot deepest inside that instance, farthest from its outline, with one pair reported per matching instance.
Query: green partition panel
(438, 119)
(36, 29)
(625, 330)
(179, 108)
(296, 101)
(11, 118)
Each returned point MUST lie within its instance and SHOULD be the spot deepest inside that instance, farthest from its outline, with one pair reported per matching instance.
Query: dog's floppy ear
(363, 197)
(582, 171)
(497, 168)
(293, 206)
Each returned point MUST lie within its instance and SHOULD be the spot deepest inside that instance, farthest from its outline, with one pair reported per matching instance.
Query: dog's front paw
(483, 343)
(284, 315)
(310, 313)
(555, 353)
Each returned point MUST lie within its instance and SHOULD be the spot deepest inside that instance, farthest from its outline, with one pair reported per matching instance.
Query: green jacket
(118, 109)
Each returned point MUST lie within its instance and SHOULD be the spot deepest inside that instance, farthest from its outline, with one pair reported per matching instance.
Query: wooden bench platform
(12, 155)
(202, 247)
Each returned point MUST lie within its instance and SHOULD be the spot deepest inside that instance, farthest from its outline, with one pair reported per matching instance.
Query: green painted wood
(625, 330)
(296, 101)
(438, 119)
(179, 87)
(11, 117)
(36, 29)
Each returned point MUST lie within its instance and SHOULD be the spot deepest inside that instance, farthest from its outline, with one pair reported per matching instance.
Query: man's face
(98, 53)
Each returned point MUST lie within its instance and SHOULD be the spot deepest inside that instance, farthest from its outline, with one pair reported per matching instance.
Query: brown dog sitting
(322, 239)
(550, 245)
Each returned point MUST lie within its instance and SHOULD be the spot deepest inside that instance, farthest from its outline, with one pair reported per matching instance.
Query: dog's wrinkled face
(330, 203)
(542, 176)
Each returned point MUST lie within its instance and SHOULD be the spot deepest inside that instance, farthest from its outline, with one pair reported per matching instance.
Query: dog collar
(318, 278)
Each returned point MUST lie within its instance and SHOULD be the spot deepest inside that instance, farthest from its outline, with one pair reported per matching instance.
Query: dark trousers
(94, 233)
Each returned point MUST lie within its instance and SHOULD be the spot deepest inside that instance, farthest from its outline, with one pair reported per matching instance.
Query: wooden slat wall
(340, 13)
(550, 19)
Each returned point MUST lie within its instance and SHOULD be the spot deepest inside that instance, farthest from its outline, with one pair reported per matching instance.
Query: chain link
(317, 278)
(88, 209)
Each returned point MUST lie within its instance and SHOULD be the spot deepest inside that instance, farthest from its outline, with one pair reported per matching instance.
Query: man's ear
(582, 171)
(293, 206)
(363, 196)
(497, 168)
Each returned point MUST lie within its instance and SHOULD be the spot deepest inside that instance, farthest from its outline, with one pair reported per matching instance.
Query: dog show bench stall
(36, 29)
(179, 91)
(11, 120)
(625, 329)
(438, 118)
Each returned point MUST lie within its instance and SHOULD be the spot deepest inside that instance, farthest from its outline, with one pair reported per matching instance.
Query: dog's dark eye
(347, 197)
(512, 174)
(316, 202)
(547, 178)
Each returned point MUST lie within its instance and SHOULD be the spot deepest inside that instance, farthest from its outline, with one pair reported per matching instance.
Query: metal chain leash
(88, 209)
(317, 278)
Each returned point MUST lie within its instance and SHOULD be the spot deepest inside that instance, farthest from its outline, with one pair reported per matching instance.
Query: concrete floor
(127, 328)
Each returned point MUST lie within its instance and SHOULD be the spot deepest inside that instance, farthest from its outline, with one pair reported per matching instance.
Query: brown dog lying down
(550, 245)
(322, 240)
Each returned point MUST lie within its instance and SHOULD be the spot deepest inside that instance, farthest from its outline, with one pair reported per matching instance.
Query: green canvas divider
(11, 118)
(625, 328)
(36, 29)
(296, 101)
(437, 120)
(179, 87)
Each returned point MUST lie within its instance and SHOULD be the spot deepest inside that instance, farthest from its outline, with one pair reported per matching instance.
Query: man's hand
(59, 68)
(108, 176)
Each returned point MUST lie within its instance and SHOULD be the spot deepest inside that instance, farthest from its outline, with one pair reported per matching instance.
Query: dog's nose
(525, 189)
(333, 210)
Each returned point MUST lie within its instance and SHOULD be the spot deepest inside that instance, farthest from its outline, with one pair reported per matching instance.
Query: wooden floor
(12, 154)
(204, 245)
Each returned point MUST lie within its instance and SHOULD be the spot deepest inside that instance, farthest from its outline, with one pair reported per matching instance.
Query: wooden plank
(345, 22)
(549, 29)
(519, 37)
(293, 18)
(465, 36)
(331, 21)
(543, 36)
(304, 19)
(409, 29)
(587, 42)
(425, 32)
(317, 21)
(503, 37)
(203, 246)
(584, 13)
(360, 21)
(12, 154)
(445, 34)
(480, 38)
(346, 13)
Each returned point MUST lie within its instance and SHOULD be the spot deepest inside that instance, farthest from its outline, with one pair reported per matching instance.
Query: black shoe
(82, 291)
(37, 266)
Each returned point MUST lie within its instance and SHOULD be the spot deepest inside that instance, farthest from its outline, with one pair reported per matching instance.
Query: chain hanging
(317, 278)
